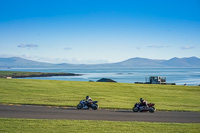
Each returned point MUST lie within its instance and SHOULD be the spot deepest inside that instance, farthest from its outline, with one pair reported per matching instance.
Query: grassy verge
(59, 126)
(109, 95)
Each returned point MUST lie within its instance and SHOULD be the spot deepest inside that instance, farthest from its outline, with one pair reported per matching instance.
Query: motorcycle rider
(88, 99)
(143, 103)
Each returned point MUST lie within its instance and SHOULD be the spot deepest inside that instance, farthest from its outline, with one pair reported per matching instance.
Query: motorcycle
(150, 107)
(83, 104)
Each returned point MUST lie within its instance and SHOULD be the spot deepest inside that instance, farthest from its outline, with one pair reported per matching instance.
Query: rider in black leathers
(143, 103)
(88, 100)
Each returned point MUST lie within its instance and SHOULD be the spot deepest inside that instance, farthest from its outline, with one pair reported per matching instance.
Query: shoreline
(18, 74)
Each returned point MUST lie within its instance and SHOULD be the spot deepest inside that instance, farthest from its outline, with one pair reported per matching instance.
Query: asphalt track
(45, 112)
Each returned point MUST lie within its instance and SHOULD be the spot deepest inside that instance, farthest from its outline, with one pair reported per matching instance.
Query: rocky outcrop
(35, 74)
(106, 80)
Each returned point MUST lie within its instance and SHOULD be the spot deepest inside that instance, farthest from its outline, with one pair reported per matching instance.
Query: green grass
(109, 95)
(75, 126)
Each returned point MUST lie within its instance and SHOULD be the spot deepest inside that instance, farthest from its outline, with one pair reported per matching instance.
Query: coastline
(18, 74)
(180, 76)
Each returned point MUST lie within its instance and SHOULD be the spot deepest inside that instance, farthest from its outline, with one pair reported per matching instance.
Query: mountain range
(16, 62)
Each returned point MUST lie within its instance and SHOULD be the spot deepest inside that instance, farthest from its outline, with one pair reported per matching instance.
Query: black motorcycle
(83, 104)
(150, 107)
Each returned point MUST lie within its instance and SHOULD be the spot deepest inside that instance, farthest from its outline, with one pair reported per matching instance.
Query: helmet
(87, 97)
(141, 100)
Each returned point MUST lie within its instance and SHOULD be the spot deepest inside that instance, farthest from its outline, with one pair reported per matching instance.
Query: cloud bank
(28, 46)
(67, 48)
(157, 46)
(187, 47)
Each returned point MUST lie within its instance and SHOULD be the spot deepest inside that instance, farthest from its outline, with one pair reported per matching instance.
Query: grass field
(109, 95)
(69, 126)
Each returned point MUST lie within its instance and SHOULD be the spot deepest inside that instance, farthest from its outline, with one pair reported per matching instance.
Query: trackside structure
(155, 80)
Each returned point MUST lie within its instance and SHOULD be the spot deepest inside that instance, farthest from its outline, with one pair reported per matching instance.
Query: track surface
(44, 112)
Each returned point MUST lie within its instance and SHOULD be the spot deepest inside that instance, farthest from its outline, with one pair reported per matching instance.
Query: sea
(180, 76)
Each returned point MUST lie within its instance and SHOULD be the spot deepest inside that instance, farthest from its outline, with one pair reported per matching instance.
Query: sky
(99, 31)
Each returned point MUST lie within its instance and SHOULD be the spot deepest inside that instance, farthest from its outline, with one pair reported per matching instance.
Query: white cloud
(187, 47)
(28, 46)
(138, 47)
(89, 61)
(67, 48)
(157, 46)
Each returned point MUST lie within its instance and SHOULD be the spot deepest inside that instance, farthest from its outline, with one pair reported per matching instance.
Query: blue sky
(99, 31)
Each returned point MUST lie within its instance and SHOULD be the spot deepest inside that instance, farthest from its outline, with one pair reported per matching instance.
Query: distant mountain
(16, 62)
(140, 62)
(174, 62)
(194, 61)
(183, 62)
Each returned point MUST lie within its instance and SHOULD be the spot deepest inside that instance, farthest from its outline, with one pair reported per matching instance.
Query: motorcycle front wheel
(79, 106)
(151, 110)
(95, 107)
(135, 109)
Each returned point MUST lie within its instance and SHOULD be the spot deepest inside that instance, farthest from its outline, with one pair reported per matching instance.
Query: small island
(19, 74)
